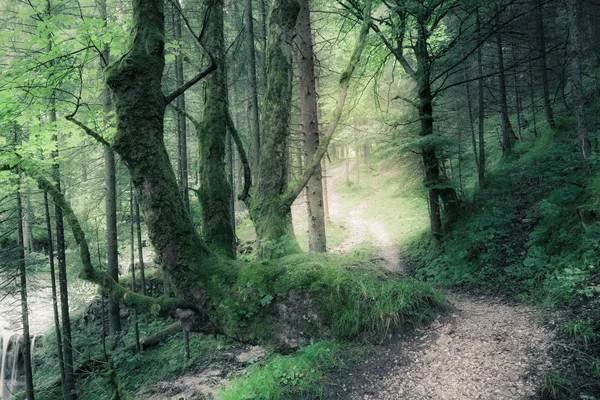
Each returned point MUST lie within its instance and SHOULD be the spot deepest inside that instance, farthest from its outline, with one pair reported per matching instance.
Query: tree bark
(135, 85)
(24, 309)
(182, 165)
(136, 326)
(310, 128)
(508, 134)
(138, 223)
(252, 89)
(436, 185)
(110, 187)
(543, 64)
(575, 51)
(480, 112)
(215, 191)
(272, 218)
(59, 348)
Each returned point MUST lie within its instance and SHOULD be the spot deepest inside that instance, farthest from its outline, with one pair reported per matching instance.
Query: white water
(14, 371)
(6, 386)
(11, 330)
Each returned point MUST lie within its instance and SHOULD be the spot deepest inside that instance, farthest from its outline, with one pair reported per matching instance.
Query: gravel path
(485, 349)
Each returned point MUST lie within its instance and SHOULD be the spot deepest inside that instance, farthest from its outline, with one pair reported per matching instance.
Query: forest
(300, 199)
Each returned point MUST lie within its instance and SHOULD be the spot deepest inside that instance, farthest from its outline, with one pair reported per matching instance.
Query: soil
(206, 378)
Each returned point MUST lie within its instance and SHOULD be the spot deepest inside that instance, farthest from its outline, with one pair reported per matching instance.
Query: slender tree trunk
(263, 41)
(24, 309)
(27, 219)
(481, 114)
(508, 134)
(231, 179)
(471, 122)
(132, 253)
(110, 187)
(215, 191)
(252, 90)
(325, 192)
(59, 348)
(310, 127)
(575, 51)
(69, 383)
(138, 221)
(518, 104)
(347, 165)
(182, 165)
(357, 166)
(533, 108)
(543, 64)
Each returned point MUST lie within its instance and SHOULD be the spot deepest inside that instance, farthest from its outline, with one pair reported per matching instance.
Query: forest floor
(485, 348)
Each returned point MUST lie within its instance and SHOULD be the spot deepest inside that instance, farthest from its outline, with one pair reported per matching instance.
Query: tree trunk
(543, 64)
(135, 85)
(67, 344)
(138, 222)
(272, 218)
(481, 114)
(114, 315)
(310, 128)
(24, 309)
(215, 191)
(508, 134)
(181, 121)
(252, 90)
(471, 121)
(357, 165)
(347, 165)
(263, 41)
(532, 94)
(518, 103)
(578, 99)
(434, 182)
(325, 192)
(59, 348)
(136, 326)
(110, 187)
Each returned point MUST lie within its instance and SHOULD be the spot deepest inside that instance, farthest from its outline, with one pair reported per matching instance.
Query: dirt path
(359, 227)
(486, 348)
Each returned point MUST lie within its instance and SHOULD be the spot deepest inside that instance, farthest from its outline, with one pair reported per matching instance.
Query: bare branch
(177, 92)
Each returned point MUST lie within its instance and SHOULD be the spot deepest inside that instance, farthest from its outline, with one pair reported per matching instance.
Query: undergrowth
(295, 376)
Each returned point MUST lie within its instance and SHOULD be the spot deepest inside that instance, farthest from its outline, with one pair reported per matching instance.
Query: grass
(354, 296)
(295, 376)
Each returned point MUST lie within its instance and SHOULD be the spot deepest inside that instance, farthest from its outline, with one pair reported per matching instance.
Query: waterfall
(12, 368)
(6, 338)
(15, 366)
(32, 352)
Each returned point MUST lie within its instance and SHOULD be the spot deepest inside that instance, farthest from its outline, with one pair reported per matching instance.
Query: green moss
(353, 295)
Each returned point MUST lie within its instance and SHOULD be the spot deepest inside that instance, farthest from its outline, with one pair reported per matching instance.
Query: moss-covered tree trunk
(135, 85)
(271, 215)
(440, 193)
(215, 190)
